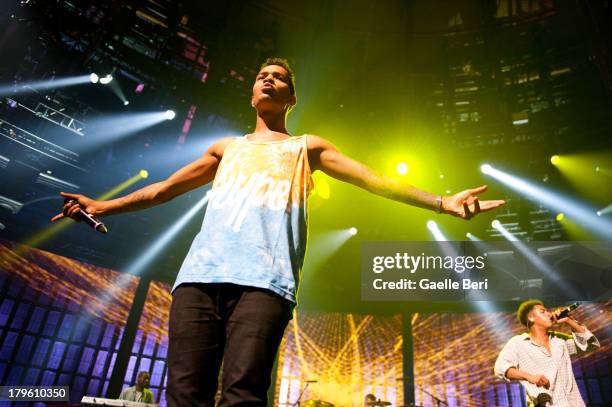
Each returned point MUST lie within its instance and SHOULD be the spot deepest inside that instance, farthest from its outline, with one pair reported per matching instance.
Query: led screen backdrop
(454, 356)
(150, 347)
(349, 356)
(61, 321)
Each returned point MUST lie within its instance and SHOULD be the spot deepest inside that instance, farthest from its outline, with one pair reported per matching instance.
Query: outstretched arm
(325, 157)
(193, 175)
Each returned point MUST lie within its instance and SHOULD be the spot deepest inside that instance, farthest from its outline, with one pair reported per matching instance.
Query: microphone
(566, 311)
(543, 400)
(89, 219)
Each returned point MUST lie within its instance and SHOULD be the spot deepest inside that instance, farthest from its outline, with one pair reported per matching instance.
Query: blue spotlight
(108, 129)
(472, 237)
(170, 114)
(572, 209)
(435, 231)
(605, 211)
(158, 246)
(505, 233)
(48, 84)
(324, 245)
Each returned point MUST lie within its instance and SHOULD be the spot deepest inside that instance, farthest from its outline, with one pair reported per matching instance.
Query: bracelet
(439, 204)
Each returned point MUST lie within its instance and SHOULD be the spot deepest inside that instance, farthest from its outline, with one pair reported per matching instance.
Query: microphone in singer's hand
(562, 313)
(543, 400)
(88, 218)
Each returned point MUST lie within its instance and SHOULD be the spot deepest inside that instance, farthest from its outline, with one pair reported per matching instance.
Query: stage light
(579, 212)
(139, 88)
(158, 245)
(143, 174)
(435, 231)
(486, 168)
(106, 79)
(126, 102)
(26, 87)
(170, 114)
(353, 231)
(94, 78)
(505, 232)
(402, 168)
(324, 244)
(472, 237)
(560, 216)
(605, 211)
(555, 159)
(110, 128)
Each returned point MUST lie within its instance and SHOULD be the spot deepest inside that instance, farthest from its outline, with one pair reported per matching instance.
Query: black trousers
(209, 323)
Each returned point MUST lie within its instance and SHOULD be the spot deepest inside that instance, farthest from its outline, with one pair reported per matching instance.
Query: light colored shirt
(130, 394)
(522, 353)
(255, 228)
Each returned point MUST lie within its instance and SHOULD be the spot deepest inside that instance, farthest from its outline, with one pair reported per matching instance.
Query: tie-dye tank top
(255, 226)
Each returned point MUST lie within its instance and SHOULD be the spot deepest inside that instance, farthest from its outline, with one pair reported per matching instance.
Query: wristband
(439, 204)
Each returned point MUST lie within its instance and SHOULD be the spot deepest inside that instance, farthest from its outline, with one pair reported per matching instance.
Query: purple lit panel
(20, 316)
(149, 346)
(94, 386)
(86, 360)
(56, 355)
(51, 323)
(5, 310)
(98, 370)
(25, 349)
(156, 375)
(145, 364)
(31, 377)
(94, 333)
(66, 327)
(48, 378)
(109, 332)
(71, 358)
(129, 373)
(36, 320)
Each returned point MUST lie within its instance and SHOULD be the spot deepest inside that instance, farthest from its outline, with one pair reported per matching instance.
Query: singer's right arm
(193, 175)
(537, 379)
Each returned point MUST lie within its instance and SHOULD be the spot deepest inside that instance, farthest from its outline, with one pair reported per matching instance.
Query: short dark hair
(285, 64)
(524, 309)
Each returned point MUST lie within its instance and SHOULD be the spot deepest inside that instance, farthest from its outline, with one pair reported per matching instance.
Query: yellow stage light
(402, 168)
(555, 159)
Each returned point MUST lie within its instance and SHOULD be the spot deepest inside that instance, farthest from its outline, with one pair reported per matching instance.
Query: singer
(540, 358)
(236, 289)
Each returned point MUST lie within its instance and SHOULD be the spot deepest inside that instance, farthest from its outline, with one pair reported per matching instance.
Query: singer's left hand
(466, 205)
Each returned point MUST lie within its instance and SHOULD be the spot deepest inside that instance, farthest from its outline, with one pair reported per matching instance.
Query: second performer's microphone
(564, 312)
(90, 220)
(543, 400)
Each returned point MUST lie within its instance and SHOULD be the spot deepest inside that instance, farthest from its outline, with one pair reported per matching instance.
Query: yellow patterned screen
(348, 355)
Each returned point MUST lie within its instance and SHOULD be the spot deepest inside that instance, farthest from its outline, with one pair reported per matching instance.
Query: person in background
(139, 392)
